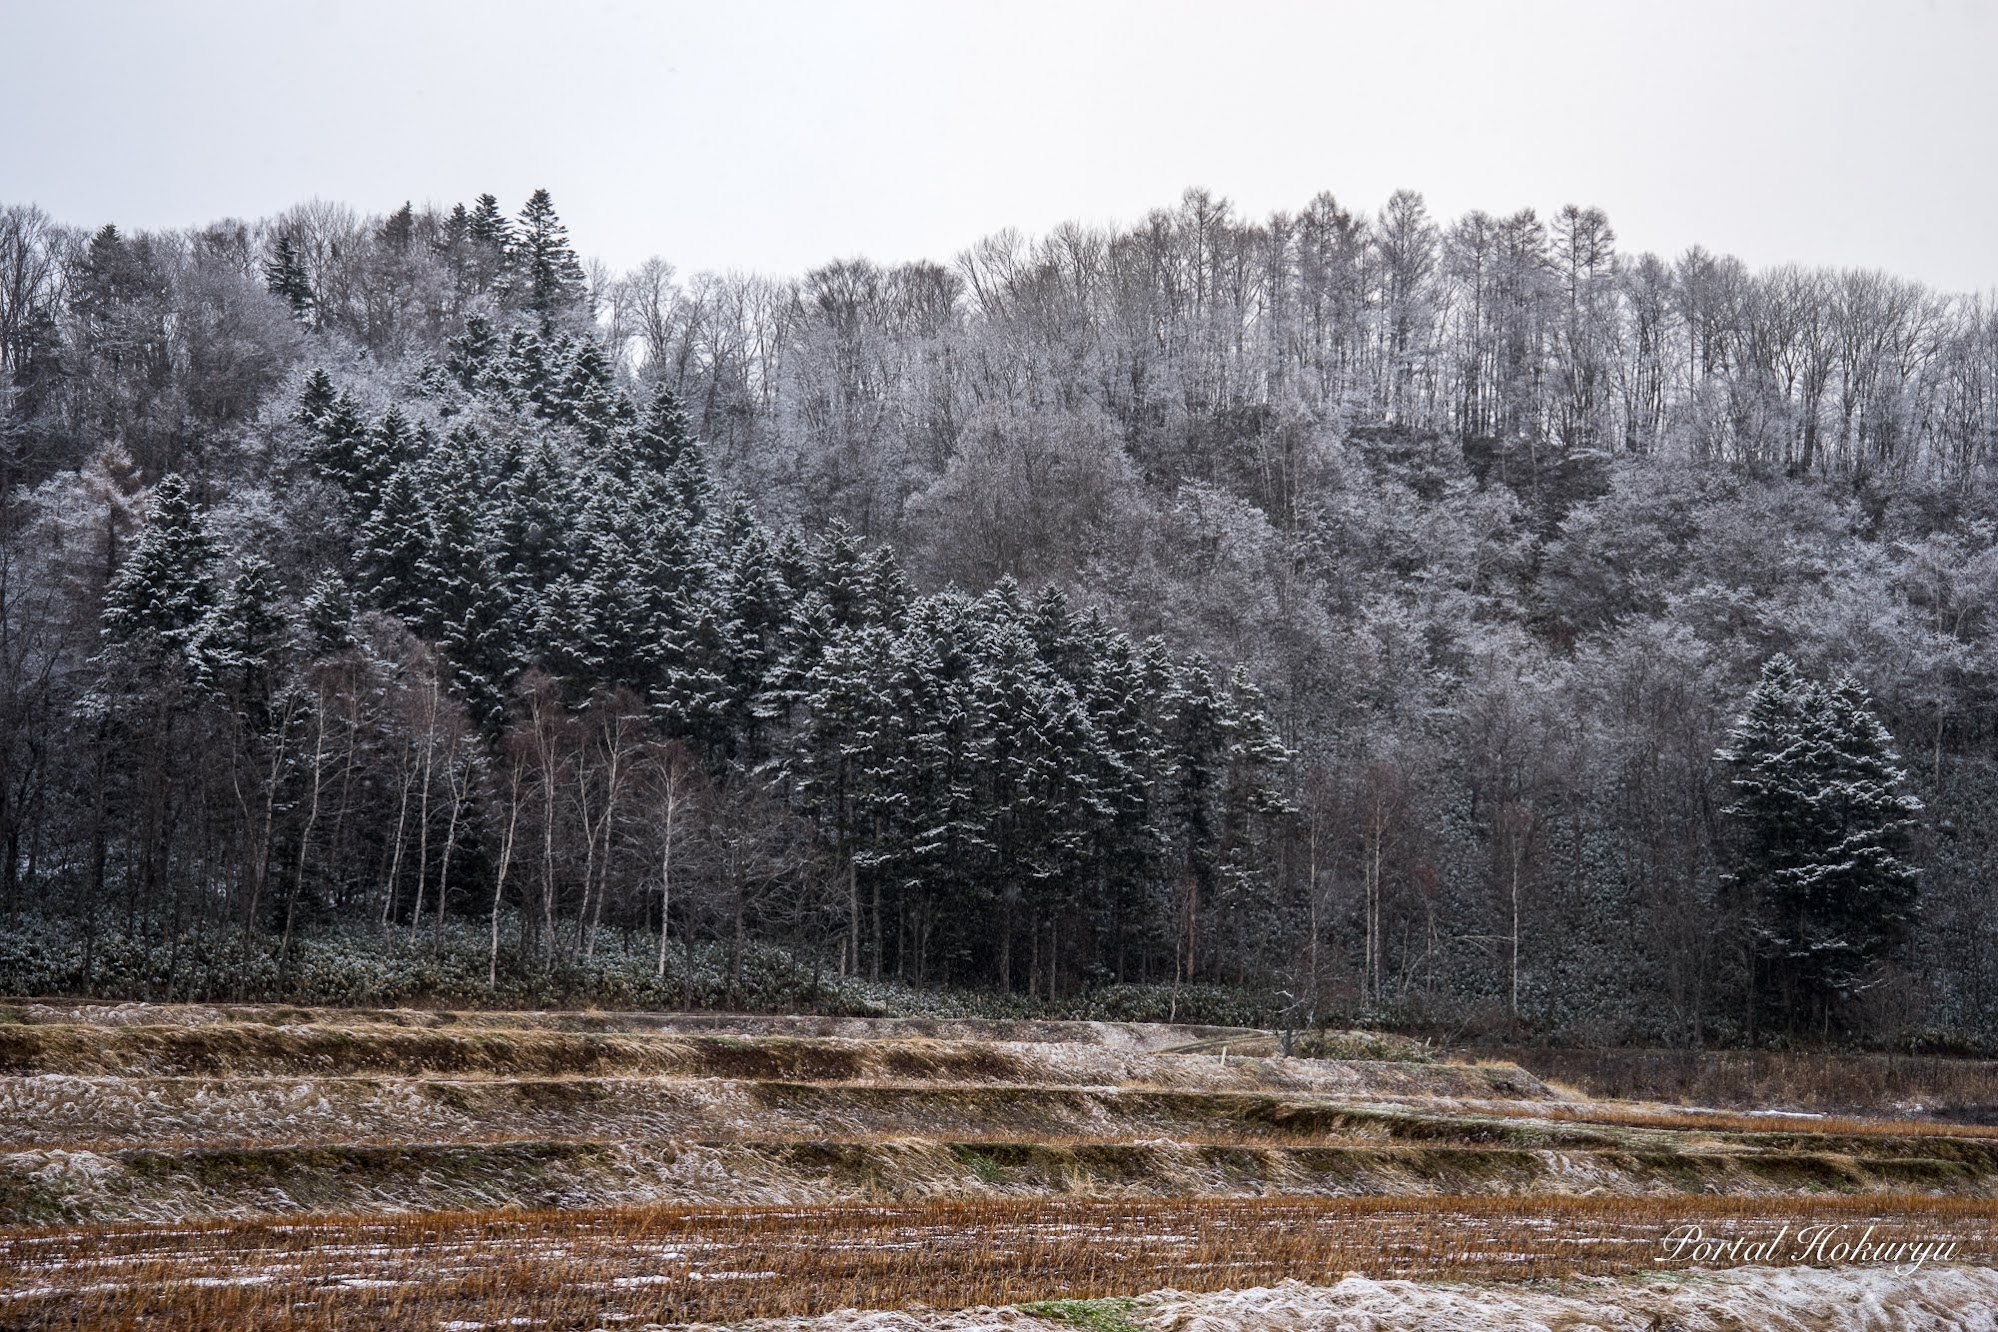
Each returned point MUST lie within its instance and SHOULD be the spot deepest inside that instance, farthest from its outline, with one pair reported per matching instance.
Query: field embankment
(216, 1165)
(1963, 1091)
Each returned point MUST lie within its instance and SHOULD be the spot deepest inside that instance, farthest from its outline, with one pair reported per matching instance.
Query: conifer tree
(469, 356)
(394, 545)
(340, 448)
(551, 281)
(244, 642)
(398, 232)
(464, 604)
(285, 277)
(316, 398)
(1821, 826)
(328, 615)
(664, 435)
(490, 236)
(161, 599)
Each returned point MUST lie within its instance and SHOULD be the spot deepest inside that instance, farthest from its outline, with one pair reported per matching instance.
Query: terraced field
(243, 1166)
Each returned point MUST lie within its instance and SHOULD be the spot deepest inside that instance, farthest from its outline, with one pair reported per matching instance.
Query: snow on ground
(1787, 1299)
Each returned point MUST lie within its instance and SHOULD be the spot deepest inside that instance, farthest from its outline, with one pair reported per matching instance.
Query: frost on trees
(1821, 826)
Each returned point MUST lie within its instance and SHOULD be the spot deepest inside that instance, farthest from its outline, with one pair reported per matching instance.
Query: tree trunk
(499, 879)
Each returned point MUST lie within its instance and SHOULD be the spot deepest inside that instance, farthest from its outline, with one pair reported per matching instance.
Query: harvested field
(236, 1166)
(576, 1270)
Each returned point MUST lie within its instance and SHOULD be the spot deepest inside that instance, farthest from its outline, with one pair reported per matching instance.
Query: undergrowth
(361, 966)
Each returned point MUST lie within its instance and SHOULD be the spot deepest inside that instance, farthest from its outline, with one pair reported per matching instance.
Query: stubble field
(293, 1168)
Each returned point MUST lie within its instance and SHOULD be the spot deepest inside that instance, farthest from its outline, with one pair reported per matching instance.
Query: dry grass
(1130, 1037)
(1965, 1089)
(367, 1049)
(582, 1269)
(1736, 1124)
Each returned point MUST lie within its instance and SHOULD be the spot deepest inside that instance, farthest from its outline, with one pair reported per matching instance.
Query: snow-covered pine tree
(394, 543)
(830, 764)
(158, 605)
(398, 230)
(756, 604)
(328, 615)
(464, 607)
(566, 642)
(394, 443)
(490, 234)
(551, 281)
(315, 399)
(285, 277)
(339, 450)
(469, 357)
(664, 435)
(1820, 826)
(535, 518)
(1865, 890)
(245, 640)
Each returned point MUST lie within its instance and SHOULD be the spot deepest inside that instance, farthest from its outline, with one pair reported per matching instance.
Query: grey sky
(776, 136)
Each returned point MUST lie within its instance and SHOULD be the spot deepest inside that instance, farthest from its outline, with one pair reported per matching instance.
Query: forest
(1334, 616)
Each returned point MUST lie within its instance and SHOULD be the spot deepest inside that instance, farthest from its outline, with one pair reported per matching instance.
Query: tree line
(1354, 608)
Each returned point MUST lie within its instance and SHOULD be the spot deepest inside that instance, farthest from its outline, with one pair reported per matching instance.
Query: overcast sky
(776, 136)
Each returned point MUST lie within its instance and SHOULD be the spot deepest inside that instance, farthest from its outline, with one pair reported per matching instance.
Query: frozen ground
(1789, 1299)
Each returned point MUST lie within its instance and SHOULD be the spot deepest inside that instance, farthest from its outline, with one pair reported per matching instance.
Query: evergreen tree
(469, 356)
(244, 643)
(489, 234)
(161, 599)
(464, 604)
(285, 277)
(398, 231)
(340, 451)
(536, 514)
(1820, 828)
(551, 281)
(328, 615)
(1867, 887)
(315, 399)
(394, 547)
(663, 430)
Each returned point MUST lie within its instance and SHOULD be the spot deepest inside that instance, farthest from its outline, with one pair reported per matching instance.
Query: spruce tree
(1866, 889)
(398, 231)
(394, 545)
(316, 398)
(328, 615)
(550, 277)
(664, 434)
(469, 356)
(285, 278)
(158, 606)
(1820, 828)
(490, 241)
(244, 643)
(340, 449)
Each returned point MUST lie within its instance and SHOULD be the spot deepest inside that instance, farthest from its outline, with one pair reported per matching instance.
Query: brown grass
(578, 1269)
(1743, 1125)
(1126, 1036)
(349, 1049)
(1962, 1089)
